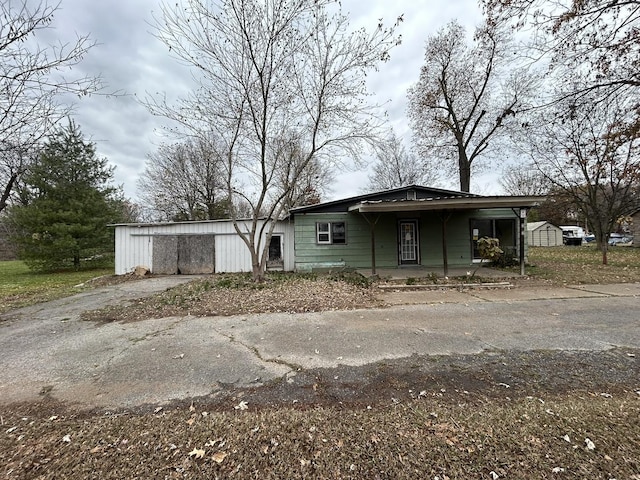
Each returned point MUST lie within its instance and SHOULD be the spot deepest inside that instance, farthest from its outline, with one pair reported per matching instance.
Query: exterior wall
(309, 255)
(356, 253)
(134, 244)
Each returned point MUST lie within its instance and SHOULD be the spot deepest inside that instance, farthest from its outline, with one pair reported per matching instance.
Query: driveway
(47, 350)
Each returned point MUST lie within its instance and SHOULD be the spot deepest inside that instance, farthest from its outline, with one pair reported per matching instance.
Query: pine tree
(67, 203)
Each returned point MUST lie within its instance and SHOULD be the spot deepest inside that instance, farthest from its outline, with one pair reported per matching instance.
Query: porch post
(523, 216)
(372, 225)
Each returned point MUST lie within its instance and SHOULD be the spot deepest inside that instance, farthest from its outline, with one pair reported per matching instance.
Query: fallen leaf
(196, 453)
(192, 408)
(566, 438)
(190, 421)
(590, 445)
(494, 475)
(242, 405)
(157, 410)
(12, 429)
(66, 438)
(219, 457)
(557, 470)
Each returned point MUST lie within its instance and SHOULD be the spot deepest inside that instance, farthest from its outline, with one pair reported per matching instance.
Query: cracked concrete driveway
(46, 349)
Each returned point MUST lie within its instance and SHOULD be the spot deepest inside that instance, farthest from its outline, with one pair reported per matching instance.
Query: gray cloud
(136, 64)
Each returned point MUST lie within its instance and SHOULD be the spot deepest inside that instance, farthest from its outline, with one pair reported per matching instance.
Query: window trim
(329, 233)
(326, 232)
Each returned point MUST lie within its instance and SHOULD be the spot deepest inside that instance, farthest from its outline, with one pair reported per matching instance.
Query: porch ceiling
(459, 203)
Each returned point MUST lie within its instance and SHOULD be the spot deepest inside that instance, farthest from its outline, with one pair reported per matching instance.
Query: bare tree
(589, 153)
(394, 167)
(523, 180)
(31, 84)
(300, 186)
(266, 67)
(185, 181)
(588, 45)
(464, 97)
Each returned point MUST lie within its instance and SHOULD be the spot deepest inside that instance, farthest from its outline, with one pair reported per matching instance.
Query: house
(543, 234)
(408, 226)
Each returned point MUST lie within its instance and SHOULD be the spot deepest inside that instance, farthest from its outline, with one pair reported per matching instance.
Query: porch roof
(448, 203)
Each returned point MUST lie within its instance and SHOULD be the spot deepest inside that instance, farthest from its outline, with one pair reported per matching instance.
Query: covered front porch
(446, 218)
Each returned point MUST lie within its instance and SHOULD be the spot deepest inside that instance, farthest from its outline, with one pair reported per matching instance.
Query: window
(329, 233)
(504, 229)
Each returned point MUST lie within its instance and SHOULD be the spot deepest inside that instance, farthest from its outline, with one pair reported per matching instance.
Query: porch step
(437, 286)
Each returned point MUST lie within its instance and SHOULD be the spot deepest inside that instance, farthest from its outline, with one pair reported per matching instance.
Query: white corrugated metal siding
(134, 244)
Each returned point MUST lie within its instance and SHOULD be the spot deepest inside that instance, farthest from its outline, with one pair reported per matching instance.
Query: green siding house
(406, 226)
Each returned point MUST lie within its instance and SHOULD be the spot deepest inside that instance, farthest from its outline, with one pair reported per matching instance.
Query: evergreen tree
(67, 203)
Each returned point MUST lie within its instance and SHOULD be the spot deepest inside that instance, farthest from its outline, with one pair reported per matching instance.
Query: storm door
(408, 245)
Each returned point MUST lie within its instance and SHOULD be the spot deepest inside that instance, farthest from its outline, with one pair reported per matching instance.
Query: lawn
(19, 286)
(577, 265)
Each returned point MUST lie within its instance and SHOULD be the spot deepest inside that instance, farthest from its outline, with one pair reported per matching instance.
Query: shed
(211, 246)
(543, 234)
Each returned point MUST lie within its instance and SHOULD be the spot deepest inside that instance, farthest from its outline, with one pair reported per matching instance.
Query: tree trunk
(464, 167)
(4, 198)
(257, 271)
(602, 242)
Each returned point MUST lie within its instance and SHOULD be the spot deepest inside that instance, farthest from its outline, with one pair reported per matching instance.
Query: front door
(408, 245)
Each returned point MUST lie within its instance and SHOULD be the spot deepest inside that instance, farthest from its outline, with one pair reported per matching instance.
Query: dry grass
(583, 265)
(237, 294)
(424, 438)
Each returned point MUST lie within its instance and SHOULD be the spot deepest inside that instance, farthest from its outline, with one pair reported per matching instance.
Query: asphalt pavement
(47, 350)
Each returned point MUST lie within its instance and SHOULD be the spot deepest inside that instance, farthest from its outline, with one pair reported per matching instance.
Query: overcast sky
(131, 60)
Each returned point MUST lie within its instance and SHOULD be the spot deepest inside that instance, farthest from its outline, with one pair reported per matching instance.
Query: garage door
(183, 254)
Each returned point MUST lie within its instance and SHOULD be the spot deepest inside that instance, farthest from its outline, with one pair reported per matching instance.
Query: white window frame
(323, 232)
(329, 233)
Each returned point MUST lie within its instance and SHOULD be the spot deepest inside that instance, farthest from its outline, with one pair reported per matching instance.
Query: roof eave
(447, 204)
